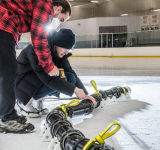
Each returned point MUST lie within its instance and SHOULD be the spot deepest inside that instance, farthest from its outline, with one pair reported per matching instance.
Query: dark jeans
(8, 69)
(45, 90)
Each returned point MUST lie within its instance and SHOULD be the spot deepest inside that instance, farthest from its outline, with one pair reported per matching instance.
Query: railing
(126, 39)
(110, 40)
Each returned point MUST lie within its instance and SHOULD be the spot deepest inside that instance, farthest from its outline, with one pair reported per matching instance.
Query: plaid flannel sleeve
(39, 34)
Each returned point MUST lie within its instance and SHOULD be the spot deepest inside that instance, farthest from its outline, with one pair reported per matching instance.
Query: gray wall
(91, 26)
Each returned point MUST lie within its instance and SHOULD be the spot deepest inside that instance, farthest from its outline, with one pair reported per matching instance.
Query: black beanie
(64, 38)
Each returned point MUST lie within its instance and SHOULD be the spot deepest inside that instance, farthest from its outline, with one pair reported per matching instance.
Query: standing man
(16, 17)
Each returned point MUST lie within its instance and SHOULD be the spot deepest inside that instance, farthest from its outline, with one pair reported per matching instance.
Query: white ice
(139, 129)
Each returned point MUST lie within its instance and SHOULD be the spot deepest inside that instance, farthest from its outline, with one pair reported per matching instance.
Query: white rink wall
(128, 51)
(110, 52)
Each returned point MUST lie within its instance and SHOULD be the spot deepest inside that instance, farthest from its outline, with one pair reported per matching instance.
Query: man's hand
(54, 72)
(79, 93)
(92, 99)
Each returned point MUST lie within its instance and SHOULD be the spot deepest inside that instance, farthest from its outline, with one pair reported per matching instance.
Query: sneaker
(21, 119)
(44, 111)
(39, 105)
(13, 126)
(28, 110)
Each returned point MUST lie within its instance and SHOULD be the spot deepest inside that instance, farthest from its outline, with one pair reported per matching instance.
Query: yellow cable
(72, 103)
(93, 83)
(123, 89)
(100, 138)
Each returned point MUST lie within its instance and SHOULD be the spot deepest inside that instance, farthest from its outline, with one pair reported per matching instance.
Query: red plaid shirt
(21, 16)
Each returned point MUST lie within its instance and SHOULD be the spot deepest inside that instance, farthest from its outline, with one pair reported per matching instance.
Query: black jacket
(31, 75)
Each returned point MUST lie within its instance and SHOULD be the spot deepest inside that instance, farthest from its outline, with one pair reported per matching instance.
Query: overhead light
(157, 10)
(124, 14)
(94, 1)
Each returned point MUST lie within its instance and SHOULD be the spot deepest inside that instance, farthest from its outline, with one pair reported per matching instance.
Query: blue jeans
(45, 90)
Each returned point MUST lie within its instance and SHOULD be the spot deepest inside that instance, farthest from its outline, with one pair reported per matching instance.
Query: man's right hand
(79, 93)
(54, 72)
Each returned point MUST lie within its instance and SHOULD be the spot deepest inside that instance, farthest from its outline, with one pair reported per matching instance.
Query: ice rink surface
(139, 118)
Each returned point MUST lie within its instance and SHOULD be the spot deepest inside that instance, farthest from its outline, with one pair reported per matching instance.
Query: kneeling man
(33, 83)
